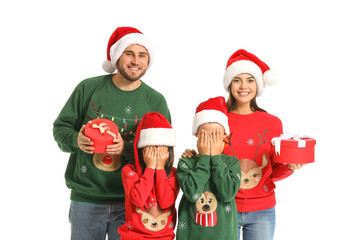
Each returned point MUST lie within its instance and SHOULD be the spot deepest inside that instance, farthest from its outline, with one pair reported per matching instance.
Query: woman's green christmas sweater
(207, 209)
(92, 177)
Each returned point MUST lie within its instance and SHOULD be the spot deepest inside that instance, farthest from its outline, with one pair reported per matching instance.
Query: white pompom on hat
(212, 110)
(121, 38)
(244, 62)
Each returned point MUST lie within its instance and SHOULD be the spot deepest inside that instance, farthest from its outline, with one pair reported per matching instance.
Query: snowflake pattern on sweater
(209, 185)
(251, 136)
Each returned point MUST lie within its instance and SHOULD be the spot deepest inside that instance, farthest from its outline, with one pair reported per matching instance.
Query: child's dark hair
(168, 164)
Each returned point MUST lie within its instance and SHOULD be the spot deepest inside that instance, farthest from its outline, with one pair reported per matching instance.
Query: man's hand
(188, 153)
(117, 148)
(84, 142)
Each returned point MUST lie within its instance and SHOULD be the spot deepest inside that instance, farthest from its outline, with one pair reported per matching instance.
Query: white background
(48, 47)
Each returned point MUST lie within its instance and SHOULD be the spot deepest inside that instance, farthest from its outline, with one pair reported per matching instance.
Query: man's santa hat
(244, 62)
(213, 110)
(153, 129)
(121, 38)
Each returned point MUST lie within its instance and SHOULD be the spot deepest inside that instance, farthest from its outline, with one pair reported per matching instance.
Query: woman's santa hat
(153, 130)
(244, 62)
(212, 110)
(121, 38)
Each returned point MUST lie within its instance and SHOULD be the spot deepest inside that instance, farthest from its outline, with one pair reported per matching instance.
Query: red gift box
(294, 149)
(102, 133)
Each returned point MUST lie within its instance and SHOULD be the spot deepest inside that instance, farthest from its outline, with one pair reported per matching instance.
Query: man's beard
(127, 77)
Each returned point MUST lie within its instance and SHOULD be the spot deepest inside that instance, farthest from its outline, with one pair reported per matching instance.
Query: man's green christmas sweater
(93, 177)
(207, 209)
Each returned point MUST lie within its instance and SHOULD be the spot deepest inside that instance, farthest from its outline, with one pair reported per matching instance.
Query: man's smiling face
(133, 62)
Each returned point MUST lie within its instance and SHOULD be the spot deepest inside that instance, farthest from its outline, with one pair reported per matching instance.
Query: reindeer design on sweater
(151, 223)
(206, 210)
(106, 162)
(251, 172)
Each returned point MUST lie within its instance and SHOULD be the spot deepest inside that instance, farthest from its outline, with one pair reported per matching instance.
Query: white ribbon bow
(103, 128)
(297, 137)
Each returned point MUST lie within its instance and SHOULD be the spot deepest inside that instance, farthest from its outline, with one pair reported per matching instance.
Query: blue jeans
(257, 225)
(90, 221)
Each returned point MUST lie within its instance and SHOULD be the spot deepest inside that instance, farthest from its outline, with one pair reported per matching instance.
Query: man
(97, 195)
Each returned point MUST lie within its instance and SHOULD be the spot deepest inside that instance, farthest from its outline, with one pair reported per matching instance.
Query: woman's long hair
(168, 164)
(231, 103)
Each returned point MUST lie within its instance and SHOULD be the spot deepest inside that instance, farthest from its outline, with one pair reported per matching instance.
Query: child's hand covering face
(203, 143)
(162, 154)
(210, 139)
(149, 154)
(216, 143)
(155, 156)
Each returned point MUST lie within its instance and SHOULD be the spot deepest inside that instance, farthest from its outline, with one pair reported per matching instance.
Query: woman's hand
(162, 155)
(294, 167)
(149, 154)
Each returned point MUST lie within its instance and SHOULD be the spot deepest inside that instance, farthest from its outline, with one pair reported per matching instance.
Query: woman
(252, 129)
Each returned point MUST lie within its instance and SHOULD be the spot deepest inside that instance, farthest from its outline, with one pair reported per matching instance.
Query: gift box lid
(294, 143)
(101, 128)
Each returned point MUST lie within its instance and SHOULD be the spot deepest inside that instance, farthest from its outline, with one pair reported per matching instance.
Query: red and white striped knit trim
(206, 220)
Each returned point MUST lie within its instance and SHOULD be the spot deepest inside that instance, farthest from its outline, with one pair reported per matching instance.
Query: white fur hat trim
(157, 136)
(209, 116)
(244, 66)
(132, 38)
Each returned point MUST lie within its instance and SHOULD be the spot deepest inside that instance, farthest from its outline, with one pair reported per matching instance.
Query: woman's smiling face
(243, 88)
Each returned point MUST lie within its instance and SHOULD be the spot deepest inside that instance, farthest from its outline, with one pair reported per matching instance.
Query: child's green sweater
(207, 209)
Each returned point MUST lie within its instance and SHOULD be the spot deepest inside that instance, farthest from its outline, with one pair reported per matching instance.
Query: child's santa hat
(153, 129)
(244, 62)
(212, 110)
(121, 38)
